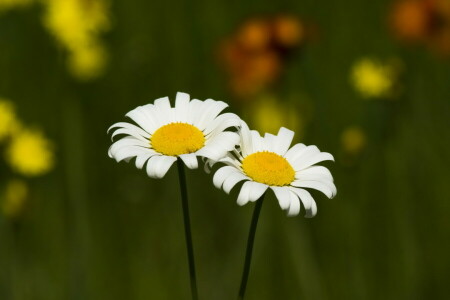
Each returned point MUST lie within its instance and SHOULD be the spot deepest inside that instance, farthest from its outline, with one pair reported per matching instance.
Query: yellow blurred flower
(76, 24)
(7, 4)
(87, 62)
(353, 140)
(30, 153)
(269, 115)
(373, 79)
(8, 120)
(15, 197)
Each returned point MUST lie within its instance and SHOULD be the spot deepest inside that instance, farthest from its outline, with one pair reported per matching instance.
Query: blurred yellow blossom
(87, 62)
(353, 140)
(373, 79)
(30, 153)
(14, 198)
(76, 24)
(268, 115)
(6, 4)
(8, 120)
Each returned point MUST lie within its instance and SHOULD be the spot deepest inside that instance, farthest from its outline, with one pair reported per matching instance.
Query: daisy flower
(163, 133)
(268, 162)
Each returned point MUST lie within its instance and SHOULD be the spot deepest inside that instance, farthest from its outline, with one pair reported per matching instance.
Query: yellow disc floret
(177, 138)
(269, 168)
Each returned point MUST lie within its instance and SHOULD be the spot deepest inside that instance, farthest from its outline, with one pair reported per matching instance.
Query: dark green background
(96, 229)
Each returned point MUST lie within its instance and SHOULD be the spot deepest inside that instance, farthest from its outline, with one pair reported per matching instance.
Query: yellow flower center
(269, 168)
(177, 138)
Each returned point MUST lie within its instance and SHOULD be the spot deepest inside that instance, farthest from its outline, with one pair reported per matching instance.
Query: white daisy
(192, 128)
(264, 162)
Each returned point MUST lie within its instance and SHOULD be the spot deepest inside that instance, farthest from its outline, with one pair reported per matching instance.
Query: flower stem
(187, 228)
(250, 242)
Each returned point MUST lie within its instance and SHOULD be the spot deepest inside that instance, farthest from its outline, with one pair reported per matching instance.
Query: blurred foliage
(94, 229)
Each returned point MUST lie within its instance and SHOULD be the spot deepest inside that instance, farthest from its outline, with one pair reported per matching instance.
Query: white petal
(232, 180)
(163, 109)
(269, 142)
(302, 154)
(246, 139)
(307, 200)
(190, 160)
(142, 159)
(182, 107)
(128, 141)
(195, 109)
(158, 166)
(313, 173)
(227, 140)
(153, 114)
(257, 141)
(256, 190)
(221, 123)
(138, 116)
(313, 211)
(126, 153)
(213, 153)
(244, 194)
(230, 160)
(129, 127)
(282, 194)
(328, 189)
(217, 147)
(283, 140)
(210, 110)
(150, 113)
(221, 175)
(132, 133)
(209, 163)
(294, 206)
(305, 163)
(294, 152)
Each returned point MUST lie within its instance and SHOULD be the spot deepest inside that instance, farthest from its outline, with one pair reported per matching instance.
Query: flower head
(372, 79)
(268, 162)
(190, 129)
(77, 26)
(255, 56)
(30, 153)
(422, 22)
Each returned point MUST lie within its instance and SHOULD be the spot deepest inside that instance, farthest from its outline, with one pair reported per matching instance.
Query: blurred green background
(94, 229)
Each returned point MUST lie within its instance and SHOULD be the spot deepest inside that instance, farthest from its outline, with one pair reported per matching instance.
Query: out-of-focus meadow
(368, 81)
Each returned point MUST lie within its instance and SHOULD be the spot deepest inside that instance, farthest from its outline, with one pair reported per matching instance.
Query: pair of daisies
(195, 128)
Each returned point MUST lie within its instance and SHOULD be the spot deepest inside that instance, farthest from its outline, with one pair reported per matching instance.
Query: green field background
(96, 229)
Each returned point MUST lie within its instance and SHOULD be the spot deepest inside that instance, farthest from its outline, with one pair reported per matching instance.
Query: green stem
(187, 228)
(250, 242)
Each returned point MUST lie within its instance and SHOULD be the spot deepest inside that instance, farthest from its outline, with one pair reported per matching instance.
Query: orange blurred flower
(288, 31)
(254, 57)
(411, 20)
(423, 21)
(254, 35)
